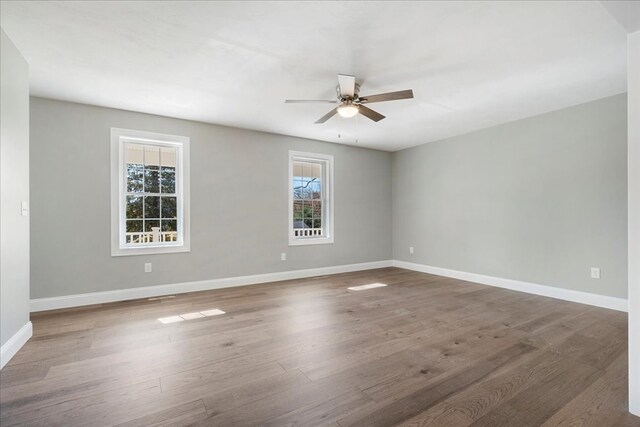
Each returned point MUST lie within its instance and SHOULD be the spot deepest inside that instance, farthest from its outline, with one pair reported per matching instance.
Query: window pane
(317, 208)
(317, 223)
(311, 186)
(134, 207)
(151, 155)
(169, 225)
(307, 209)
(149, 225)
(169, 209)
(151, 179)
(313, 170)
(168, 180)
(297, 170)
(308, 223)
(297, 209)
(168, 157)
(134, 153)
(152, 207)
(298, 189)
(134, 177)
(134, 226)
(315, 188)
(309, 171)
(306, 191)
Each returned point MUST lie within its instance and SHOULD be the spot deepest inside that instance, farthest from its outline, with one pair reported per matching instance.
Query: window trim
(118, 138)
(327, 199)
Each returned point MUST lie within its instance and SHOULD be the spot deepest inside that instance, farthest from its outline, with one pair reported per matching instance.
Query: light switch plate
(24, 208)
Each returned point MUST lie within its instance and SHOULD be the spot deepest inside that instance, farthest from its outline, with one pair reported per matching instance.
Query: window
(149, 192)
(310, 198)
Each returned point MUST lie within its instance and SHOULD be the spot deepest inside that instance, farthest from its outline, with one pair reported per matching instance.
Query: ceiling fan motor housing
(343, 98)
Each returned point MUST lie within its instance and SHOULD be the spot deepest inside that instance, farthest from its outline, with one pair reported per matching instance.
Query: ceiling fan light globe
(347, 111)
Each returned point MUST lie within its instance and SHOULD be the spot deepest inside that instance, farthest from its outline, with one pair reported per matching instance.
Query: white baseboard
(597, 300)
(42, 304)
(15, 343)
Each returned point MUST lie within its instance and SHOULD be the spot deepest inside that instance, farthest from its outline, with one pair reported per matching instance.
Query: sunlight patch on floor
(190, 316)
(369, 286)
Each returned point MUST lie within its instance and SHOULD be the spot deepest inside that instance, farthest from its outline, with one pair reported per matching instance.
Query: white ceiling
(471, 64)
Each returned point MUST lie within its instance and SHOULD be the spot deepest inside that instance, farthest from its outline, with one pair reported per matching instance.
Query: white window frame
(118, 192)
(327, 198)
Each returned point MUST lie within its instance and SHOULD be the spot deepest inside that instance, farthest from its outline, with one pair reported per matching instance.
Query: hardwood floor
(423, 351)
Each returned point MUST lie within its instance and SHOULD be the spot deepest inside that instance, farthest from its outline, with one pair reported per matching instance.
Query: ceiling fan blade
(370, 114)
(327, 116)
(310, 101)
(347, 85)
(389, 96)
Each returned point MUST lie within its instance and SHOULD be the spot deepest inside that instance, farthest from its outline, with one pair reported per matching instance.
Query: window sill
(150, 250)
(305, 242)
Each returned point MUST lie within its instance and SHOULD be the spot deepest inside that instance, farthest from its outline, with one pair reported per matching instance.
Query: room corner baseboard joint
(15, 343)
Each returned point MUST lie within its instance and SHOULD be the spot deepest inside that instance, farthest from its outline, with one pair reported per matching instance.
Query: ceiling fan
(351, 103)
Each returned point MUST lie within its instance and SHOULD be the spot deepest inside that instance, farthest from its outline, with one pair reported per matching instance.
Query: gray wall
(238, 203)
(539, 200)
(14, 183)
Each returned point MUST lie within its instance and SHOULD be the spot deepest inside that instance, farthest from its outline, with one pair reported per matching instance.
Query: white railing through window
(154, 236)
(307, 232)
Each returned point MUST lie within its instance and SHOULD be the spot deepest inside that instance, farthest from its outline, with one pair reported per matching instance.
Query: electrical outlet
(283, 256)
(595, 272)
(24, 208)
(410, 249)
(147, 267)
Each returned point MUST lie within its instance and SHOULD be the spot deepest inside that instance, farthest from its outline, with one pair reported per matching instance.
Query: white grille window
(149, 193)
(310, 198)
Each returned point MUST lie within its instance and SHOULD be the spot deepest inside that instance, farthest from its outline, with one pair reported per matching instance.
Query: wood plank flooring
(423, 351)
